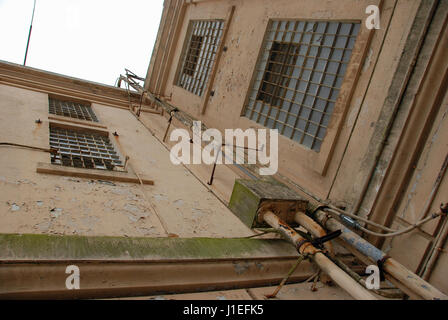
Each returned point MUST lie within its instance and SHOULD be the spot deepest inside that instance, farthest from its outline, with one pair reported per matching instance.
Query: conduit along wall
(390, 266)
(259, 203)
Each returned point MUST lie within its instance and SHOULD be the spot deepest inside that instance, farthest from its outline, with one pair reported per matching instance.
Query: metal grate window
(82, 149)
(71, 109)
(199, 54)
(298, 77)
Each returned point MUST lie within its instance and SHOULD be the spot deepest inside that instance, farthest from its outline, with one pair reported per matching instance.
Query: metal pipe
(389, 265)
(342, 213)
(435, 187)
(304, 247)
(11, 144)
(354, 224)
(317, 231)
(314, 228)
(437, 248)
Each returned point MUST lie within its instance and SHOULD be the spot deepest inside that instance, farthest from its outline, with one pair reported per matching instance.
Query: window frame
(185, 51)
(74, 100)
(319, 161)
(87, 130)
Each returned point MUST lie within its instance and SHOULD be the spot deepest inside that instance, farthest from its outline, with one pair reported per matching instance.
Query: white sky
(88, 39)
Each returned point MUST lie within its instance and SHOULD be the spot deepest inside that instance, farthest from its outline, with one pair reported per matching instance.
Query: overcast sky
(88, 39)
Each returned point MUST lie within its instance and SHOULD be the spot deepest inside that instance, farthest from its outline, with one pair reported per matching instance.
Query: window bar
(298, 83)
(71, 109)
(203, 61)
(281, 77)
(288, 112)
(325, 58)
(83, 149)
(319, 48)
(266, 70)
(210, 33)
(319, 127)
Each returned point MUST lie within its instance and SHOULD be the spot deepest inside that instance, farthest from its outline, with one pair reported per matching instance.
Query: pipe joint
(349, 222)
(300, 244)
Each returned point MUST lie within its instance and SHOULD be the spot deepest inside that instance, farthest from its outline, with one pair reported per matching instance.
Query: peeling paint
(55, 212)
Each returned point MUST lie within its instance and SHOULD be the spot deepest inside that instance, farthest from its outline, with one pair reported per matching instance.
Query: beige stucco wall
(350, 162)
(40, 203)
(236, 67)
(31, 202)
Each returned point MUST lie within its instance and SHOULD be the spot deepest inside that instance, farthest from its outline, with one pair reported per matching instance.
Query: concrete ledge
(119, 176)
(41, 247)
(34, 266)
(77, 121)
(69, 87)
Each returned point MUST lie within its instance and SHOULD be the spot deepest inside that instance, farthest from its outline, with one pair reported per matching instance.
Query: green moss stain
(248, 195)
(244, 203)
(33, 246)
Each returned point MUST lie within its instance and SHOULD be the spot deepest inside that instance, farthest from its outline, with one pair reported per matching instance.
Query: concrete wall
(236, 67)
(32, 202)
(399, 89)
(396, 63)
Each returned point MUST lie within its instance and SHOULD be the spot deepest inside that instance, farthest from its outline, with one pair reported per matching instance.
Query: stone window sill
(119, 176)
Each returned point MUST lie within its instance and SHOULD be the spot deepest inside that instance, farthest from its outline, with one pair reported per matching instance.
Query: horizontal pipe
(326, 265)
(390, 266)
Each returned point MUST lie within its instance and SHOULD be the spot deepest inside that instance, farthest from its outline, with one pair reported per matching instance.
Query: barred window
(199, 54)
(82, 149)
(298, 77)
(71, 109)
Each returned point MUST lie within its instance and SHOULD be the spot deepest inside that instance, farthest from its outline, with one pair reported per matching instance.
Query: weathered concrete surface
(393, 57)
(31, 202)
(34, 266)
(36, 247)
(298, 291)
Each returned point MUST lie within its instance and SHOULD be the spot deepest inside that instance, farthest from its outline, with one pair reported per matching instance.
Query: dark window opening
(193, 55)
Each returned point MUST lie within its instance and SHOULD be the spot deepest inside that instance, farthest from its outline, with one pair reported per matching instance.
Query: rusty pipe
(304, 247)
(390, 265)
(314, 228)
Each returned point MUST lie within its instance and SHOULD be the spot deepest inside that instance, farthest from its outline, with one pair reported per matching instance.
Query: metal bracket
(319, 242)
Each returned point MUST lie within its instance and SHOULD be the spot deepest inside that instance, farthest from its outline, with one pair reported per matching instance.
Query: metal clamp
(319, 242)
